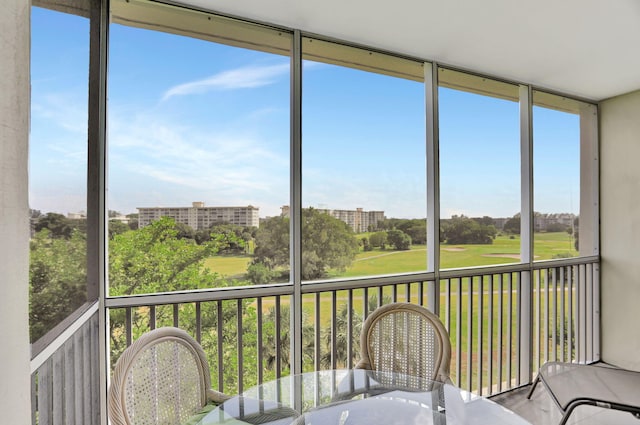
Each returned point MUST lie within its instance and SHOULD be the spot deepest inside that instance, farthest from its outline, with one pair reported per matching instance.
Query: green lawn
(377, 262)
(504, 250)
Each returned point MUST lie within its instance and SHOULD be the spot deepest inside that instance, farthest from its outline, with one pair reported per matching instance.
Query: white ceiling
(587, 48)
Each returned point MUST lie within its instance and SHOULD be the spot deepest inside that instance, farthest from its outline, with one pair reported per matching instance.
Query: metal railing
(503, 321)
(65, 375)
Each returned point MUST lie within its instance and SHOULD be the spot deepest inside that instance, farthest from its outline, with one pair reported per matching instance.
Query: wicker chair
(161, 379)
(406, 339)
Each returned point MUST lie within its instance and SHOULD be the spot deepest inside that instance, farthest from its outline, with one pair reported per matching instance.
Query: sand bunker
(454, 249)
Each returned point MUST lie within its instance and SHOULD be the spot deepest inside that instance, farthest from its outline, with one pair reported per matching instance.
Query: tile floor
(541, 410)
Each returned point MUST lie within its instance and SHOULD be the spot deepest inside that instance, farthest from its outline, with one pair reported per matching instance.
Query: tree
(341, 339)
(463, 230)
(260, 274)
(116, 227)
(512, 225)
(485, 220)
(418, 233)
(154, 259)
(184, 231)
(58, 225)
(378, 239)
(271, 346)
(399, 239)
(327, 243)
(235, 235)
(557, 227)
(272, 243)
(57, 279)
(133, 221)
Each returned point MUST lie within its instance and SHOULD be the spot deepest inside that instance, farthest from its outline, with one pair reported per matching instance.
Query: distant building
(121, 218)
(542, 222)
(357, 219)
(199, 217)
(500, 222)
(77, 216)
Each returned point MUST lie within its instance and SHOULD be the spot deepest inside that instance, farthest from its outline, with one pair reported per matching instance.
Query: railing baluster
(365, 304)
(447, 302)
(240, 346)
(589, 313)
(459, 335)
(470, 333)
(350, 329)
(554, 329)
(562, 315)
(480, 325)
(152, 317)
(317, 347)
(519, 318)
(334, 326)
(70, 389)
(57, 378)
(219, 339)
(538, 324)
(129, 326)
(176, 315)
(259, 340)
(509, 329)
(490, 337)
(595, 309)
(45, 402)
(570, 345)
(278, 338)
(582, 314)
(500, 317)
(199, 322)
(546, 315)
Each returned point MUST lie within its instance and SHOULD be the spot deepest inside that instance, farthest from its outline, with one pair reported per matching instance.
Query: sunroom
(266, 175)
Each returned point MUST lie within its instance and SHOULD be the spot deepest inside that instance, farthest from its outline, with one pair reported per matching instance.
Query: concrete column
(620, 229)
(14, 209)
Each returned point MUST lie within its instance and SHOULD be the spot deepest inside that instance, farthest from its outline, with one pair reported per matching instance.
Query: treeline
(159, 258)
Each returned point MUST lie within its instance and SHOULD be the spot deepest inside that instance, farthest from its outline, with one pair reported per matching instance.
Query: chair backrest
(407, 339)
(161, 379)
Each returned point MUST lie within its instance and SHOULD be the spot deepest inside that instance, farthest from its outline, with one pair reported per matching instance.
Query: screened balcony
(508, 310)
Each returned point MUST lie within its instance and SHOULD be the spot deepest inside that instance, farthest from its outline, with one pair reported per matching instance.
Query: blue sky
(191, 120)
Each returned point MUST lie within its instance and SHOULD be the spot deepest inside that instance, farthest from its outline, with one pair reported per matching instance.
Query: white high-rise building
(200, 217)
(357, 219)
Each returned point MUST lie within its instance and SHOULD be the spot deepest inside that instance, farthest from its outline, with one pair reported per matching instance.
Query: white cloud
(156, 161)
(240, 78)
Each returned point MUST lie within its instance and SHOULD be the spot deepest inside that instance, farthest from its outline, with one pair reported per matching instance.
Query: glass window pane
(198, 149)
(57, 167)
(363, 163)
(556, 171)
(479, 170)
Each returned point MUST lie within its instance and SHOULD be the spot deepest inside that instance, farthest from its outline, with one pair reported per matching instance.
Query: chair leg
(567, 413)
(533, 387)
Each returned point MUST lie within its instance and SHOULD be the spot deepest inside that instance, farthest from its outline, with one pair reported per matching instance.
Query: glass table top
(358, 397)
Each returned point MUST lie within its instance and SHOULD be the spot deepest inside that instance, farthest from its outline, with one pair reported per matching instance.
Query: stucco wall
(620, 229)
(14, 225)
